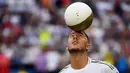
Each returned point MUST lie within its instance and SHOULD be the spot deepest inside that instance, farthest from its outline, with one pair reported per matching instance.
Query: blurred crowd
(33, 34)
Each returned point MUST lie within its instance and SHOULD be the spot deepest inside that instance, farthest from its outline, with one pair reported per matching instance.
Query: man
(78, 45)
(4, 63)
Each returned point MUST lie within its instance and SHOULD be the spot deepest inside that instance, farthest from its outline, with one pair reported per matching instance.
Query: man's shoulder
(105, 66)
(65, 69)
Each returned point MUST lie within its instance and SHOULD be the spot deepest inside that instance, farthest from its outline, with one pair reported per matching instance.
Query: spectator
(4, 63)
(41, 62)
(122, 64)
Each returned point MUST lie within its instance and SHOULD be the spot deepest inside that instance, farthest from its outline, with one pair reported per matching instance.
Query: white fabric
(125, 7)
(21, 5)
(53, 58)
(93, 66)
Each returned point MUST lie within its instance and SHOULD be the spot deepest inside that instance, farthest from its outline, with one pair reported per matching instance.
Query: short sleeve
(109, 68)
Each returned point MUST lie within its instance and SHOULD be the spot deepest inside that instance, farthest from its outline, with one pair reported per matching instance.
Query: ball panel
(84, 25)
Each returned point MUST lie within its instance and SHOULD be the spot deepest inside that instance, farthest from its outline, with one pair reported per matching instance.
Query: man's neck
(78, 61)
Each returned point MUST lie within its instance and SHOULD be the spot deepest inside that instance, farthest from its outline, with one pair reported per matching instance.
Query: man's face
(77, 41)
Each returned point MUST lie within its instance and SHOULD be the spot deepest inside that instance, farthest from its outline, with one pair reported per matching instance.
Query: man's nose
(75, 37)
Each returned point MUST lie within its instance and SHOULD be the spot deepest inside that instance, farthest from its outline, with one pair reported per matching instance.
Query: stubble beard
(77, 50)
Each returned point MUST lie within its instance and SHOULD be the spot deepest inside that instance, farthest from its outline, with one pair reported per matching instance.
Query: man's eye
(80, 35)
(71, 35)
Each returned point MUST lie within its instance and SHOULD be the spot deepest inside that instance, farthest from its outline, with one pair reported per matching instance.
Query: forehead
(79, 33)
(73, 32)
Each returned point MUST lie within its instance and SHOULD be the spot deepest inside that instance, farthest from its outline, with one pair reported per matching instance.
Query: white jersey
(93, 66)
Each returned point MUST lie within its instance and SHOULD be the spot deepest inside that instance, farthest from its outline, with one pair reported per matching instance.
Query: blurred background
(33, 35)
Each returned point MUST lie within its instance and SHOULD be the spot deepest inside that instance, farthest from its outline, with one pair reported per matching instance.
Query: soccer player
(78, 45)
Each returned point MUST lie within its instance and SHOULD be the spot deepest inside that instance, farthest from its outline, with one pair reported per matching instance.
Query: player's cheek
(69, 40)
(83, 43)
(69, 43)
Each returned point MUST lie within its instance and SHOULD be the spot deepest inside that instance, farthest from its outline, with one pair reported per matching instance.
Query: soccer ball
(78, 16)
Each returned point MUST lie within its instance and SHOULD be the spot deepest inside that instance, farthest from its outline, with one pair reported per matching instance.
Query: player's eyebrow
(72, 33)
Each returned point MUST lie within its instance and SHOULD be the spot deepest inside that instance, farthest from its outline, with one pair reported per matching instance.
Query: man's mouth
(75, 43)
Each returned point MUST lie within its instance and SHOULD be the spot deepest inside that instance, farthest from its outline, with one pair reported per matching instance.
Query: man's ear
(88, 46)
